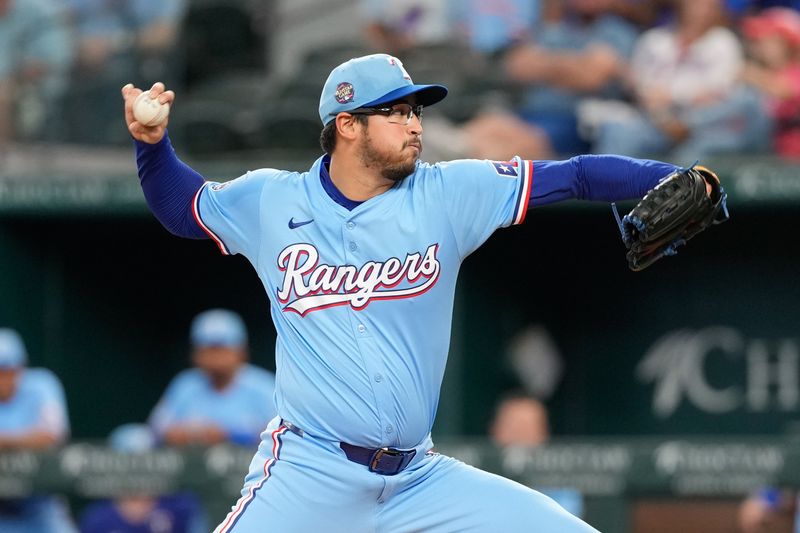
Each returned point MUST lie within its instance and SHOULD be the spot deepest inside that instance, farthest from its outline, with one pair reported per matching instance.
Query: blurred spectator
(521, 420)
(773, 40)
(490, 27)
(118, 41)
(115, 34)
(224, 398)
(689, 103)
(571, 54)
(643, 13)
(33, 416)
(395, 26)
(769, 510)
(35, 56)
(142, 513)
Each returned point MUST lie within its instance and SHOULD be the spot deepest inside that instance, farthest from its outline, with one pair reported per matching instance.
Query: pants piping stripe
(245, 501)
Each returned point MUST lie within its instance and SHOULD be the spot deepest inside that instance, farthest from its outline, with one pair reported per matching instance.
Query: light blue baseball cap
(132, 438)
(218, 327)
(12, 349)
(369, 81)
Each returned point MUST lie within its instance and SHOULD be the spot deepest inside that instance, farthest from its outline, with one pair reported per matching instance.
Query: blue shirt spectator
(573, 52)
(223, 398)
(598, 46)
(33, 416)
(491, 26)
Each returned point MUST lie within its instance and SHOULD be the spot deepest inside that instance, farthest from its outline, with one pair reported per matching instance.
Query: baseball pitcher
(359, 256)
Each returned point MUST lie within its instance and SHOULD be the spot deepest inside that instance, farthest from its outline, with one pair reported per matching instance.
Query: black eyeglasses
(396, 114)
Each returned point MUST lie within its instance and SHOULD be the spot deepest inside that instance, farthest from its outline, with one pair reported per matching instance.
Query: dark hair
(327, 139)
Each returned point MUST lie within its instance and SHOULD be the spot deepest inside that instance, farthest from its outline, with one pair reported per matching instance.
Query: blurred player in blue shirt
(224, 398)
(770, 510)
(520, 420)
(142, 513)
(33, 416)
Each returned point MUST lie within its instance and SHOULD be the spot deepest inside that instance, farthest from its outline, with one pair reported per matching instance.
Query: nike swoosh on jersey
(295, 225)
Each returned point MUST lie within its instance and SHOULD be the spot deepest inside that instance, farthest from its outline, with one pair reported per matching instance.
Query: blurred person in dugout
(35, 57)
(770, 510)
(223, 398)
(521, 420)
(33, 417)
(772, 39)
(687, 98)
(142, 512)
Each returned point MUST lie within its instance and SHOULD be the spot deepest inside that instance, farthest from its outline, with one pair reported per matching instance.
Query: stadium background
(103, 295)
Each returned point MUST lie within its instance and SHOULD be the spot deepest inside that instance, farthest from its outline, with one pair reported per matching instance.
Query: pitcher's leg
(444, 495)
(297, 484)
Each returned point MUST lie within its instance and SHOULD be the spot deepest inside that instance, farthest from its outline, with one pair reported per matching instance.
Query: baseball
(149, 112)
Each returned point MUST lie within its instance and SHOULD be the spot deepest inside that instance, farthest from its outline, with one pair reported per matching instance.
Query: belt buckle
(379, 453)
(399, 460)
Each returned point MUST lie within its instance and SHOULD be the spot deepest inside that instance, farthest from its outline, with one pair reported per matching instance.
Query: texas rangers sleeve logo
(506, 168)
(310, 286)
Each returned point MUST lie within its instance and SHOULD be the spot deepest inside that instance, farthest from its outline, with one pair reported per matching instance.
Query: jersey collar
(330, 188)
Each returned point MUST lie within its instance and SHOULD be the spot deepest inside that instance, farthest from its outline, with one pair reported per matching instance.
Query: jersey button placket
(373, 364)
(348, 235)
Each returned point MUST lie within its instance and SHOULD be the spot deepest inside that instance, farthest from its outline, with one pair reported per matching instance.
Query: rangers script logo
(308, 286)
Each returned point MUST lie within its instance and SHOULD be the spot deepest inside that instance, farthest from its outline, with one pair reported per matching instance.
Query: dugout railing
(613, 476)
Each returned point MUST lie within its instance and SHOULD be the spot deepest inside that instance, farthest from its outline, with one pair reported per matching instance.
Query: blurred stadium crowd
(542, 78)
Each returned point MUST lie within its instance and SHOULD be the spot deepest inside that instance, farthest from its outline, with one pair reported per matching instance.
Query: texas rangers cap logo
(399, 64)
(345, 92)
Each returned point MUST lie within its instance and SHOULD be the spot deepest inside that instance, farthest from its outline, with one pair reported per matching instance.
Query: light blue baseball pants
(301, 484)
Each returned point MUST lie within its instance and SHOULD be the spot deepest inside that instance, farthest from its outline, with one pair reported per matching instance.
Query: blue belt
(384, 461)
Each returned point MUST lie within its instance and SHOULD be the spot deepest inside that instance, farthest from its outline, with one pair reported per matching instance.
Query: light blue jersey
(242, 409)
(362, 300)
(37, 405)
(362, 296)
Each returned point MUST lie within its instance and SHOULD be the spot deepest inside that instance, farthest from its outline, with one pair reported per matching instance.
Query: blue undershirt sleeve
(595, 177)
(169, 187)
